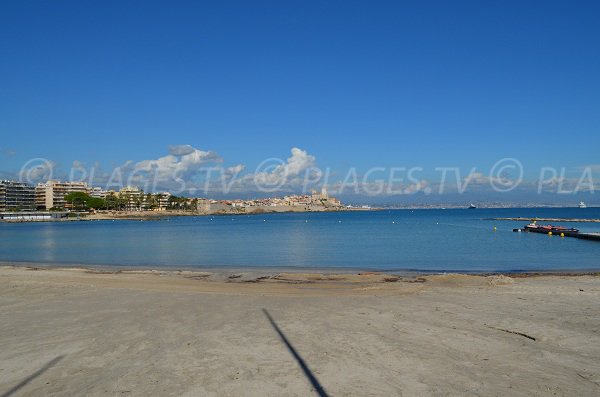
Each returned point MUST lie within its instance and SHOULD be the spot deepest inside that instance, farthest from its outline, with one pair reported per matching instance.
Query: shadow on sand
(31, 377)
(307, 372)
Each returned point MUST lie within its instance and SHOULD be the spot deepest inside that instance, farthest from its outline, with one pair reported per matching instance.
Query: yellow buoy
(494, 228)
(549, 233)
(562, 235)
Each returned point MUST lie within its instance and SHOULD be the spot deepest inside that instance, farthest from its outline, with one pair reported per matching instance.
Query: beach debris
(514, 332)
(257, 279)
(415, 280)
(201, 276)
(291, 278)
(499, 279)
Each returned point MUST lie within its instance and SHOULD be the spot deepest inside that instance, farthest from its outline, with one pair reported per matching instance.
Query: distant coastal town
(58, 200)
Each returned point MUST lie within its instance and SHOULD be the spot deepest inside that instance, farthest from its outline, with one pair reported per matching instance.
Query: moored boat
(546, 229)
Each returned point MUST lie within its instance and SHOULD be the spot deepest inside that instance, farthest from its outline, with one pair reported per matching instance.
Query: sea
(420, 240)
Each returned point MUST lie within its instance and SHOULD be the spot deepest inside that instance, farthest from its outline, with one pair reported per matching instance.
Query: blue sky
(354, 84)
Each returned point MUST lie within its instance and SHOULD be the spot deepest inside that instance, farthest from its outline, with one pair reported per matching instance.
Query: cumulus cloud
(38, 170)
(562, 185)
(189, 169)
(379, 187)
(181, 150)
(420, 186)
(275, 174)
(297, 163)
(555, 181)
(478, 179)
(287, 171)
(235, 170)
(183, 161)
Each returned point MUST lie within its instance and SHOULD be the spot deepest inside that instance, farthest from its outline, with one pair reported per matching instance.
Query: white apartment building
(163, 200)
(98, 192)
(52, 193)
(133, 197)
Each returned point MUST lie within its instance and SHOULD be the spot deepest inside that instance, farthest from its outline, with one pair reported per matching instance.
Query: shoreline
(285, 284)
(82, 332)
(162, 215)
(261, 273)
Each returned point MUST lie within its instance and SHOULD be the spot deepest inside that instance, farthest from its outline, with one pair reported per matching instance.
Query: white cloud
(184, 161)
(379, 188)
(553, 182)
(181, 150)
(235, 170)
(478, 179)
(38, 170)
(420, 186)
(278, 175)
(187, 168)
(591, 167)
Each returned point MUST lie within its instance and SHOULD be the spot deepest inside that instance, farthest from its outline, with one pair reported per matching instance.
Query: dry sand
(72, 332)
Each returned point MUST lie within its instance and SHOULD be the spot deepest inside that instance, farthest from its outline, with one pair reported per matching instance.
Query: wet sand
(68, 332)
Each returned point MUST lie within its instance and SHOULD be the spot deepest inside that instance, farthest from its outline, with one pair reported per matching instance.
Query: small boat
(546, 229)
(582, 205)
(472, 206)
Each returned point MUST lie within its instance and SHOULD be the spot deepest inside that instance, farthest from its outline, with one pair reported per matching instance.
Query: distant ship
(582, 205)
(472, 206)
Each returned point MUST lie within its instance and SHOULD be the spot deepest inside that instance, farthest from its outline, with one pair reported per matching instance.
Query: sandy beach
(66, 332)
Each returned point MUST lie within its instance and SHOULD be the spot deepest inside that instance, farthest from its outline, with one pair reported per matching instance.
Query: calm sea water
(427, 240)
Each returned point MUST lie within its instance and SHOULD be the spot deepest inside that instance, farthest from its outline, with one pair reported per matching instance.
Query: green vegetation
(126, 202)
(115, 202)
(181, 203)
(83, 201)
(151, 201)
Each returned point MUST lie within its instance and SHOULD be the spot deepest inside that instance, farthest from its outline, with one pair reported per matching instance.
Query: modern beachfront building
(163, 200)
(98, 192)
(16, 196)
(52, 193)
(133, 197)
